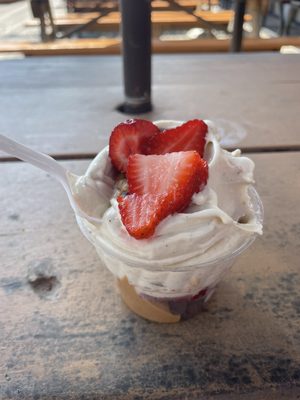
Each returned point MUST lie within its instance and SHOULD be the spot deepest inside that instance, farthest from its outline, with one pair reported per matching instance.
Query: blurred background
(51, 27)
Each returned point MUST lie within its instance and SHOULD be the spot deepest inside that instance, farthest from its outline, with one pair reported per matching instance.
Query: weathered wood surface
(68, 105)
(109, 46)
(68, 336)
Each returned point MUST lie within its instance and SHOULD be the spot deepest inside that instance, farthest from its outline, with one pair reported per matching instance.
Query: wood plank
(111, 22)
(220, 46)
(67, 105)
(77, 340)
(222, 15)
(64, 47)
(109, 46)
(161, 5)
(157, 5)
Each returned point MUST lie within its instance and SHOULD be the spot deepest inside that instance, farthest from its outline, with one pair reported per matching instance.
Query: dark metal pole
(237, 35)
(136, 49)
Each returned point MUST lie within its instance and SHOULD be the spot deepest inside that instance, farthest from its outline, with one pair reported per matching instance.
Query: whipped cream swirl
(217, 222)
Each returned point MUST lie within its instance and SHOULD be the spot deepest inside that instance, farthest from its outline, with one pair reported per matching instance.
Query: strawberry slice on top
(188, 136)
(141, 214)
(178, 175)
(160, 185)
(128, 138)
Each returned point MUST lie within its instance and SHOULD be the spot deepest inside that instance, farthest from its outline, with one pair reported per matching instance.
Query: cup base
(144, 307)
(162, 310)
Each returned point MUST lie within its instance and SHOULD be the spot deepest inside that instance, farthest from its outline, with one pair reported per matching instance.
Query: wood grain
(112, 46)
(155, 4)
(70, 337)
(159, 19)
(68, 105)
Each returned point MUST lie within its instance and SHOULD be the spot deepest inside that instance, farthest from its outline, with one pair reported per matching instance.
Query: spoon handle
(48, 164)
(36, 158)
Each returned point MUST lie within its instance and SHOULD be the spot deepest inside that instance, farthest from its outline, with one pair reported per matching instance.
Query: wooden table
(65, 333)
(53, 103)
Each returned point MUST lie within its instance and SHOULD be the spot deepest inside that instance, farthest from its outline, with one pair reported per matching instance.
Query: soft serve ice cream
(181, 263)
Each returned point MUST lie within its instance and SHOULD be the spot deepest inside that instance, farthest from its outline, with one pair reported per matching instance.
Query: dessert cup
(193, 285)
(170, 276)
(165, 294)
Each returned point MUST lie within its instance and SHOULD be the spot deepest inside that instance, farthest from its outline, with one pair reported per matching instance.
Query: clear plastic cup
(165, 294)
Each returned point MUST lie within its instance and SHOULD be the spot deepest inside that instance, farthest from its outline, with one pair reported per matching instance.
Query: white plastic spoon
(79, 201)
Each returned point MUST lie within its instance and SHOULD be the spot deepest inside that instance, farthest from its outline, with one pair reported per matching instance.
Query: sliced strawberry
(175, 175)
(129, 138)
(189, 136)
(141, 214)
(160, 186)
